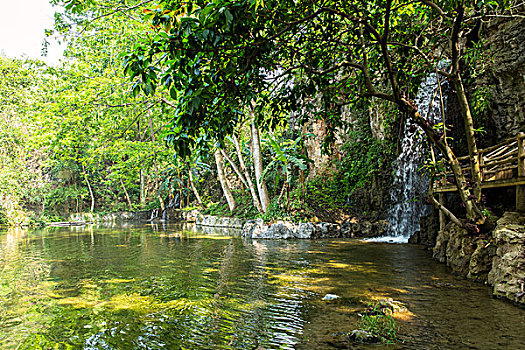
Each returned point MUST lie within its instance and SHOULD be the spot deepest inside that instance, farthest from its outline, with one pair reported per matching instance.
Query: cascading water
(410, 184)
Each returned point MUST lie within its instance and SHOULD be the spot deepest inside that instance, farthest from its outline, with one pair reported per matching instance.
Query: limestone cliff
(505, 78)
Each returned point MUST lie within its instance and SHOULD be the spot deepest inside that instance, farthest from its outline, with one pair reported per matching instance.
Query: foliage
(145, 79)
(215, 57)
(285, 157)
(20, 175)
(75, 125)
(244, 209)
(364, 157)
(308, 58)
(378, 321)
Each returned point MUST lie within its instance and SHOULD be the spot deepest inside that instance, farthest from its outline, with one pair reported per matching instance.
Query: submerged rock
(393, 305)
(329, 297)
(361, 336)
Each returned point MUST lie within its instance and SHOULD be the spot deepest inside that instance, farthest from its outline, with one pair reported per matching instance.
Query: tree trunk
(194, 189)
(89, 188)
(159, 197)
(445, 211)
(247, 176)
(471, 138)
(142, 190)
(234, 167)
(473, 211)
(222, 178)
(258, 165)
(157, 185)
(127, 195)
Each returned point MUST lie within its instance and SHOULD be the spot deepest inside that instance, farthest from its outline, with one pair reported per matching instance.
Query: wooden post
(443, 200)
(520, 189)
(481, 165)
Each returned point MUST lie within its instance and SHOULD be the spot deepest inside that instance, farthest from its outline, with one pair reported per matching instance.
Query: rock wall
(126, 216)
(218, 221)
(257, 229)
(498, 260)
(505, 78)
(373, 200)
(427, 234)
(508, 268)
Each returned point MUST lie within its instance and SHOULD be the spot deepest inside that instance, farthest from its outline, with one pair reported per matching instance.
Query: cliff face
(505, 78)
(373, 199)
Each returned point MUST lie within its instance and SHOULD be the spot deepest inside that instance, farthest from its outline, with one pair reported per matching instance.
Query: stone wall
(498, 260)
(219, 221)
(125, 216)
(257, 229)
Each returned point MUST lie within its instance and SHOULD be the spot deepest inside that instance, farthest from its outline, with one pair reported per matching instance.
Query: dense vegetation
(156, 100)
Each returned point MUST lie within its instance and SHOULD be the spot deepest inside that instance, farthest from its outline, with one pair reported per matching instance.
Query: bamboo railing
(500, 165)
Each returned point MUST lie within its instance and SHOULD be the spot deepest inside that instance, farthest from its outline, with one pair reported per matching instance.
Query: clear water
(152, 288)
(410, 184)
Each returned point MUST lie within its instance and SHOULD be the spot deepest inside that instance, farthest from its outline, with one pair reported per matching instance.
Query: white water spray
(410, 184)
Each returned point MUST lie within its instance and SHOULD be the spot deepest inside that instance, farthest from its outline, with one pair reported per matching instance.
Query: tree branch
(454, 41)
(425, 57)
(445, 211)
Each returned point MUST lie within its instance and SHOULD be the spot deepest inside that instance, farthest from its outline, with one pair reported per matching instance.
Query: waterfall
(410, 184)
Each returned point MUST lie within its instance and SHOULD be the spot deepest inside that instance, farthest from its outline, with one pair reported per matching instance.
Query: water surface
(167, 288)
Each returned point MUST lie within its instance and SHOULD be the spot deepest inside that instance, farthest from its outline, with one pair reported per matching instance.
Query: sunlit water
(144, 288)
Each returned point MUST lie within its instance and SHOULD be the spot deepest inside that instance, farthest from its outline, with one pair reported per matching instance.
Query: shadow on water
(172, 287)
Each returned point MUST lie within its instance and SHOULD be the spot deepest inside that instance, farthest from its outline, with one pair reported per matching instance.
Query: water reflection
(161, 286)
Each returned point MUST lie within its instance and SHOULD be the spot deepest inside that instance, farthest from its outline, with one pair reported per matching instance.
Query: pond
(149, 287)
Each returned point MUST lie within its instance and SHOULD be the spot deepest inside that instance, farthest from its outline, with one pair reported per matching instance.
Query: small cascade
(410, 184)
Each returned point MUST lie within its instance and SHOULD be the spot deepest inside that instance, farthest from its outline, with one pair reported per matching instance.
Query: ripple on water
(141, 289)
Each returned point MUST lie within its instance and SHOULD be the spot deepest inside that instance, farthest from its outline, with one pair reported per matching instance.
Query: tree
(219, 161)
(215, 57)
(122, 132)
(21, 180)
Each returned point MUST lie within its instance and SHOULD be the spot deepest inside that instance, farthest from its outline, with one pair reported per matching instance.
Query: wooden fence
(501, 165)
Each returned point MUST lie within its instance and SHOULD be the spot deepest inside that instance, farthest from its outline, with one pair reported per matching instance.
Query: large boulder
(508, 267)
(467, 255)
(481, 260)
(459, 249)
(498, 260)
